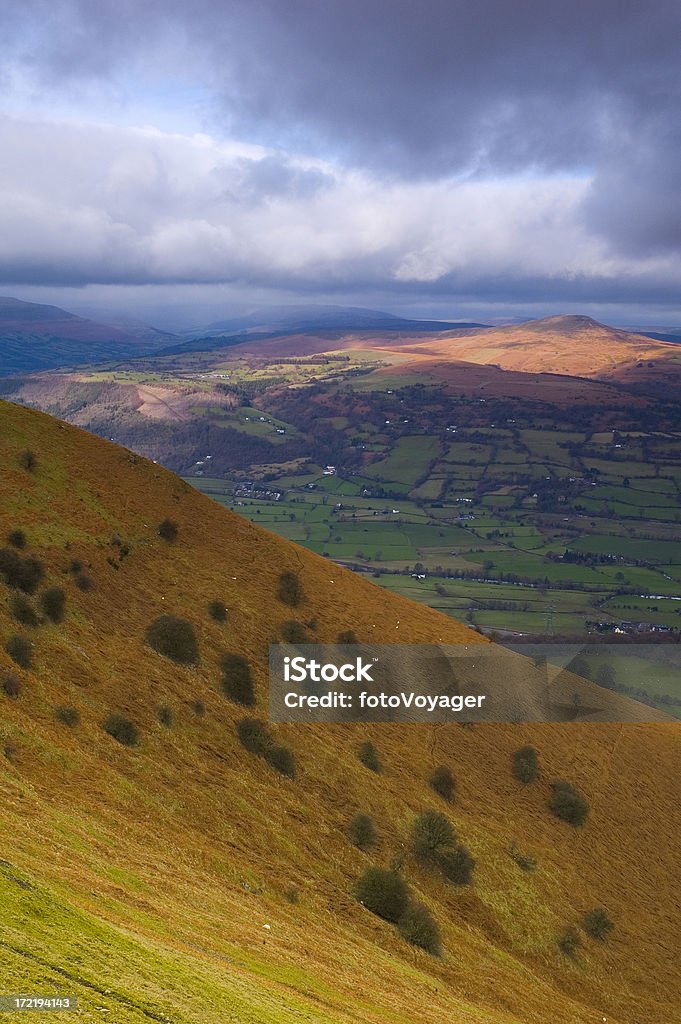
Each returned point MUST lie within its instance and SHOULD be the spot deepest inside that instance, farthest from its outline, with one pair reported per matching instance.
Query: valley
(521, 502)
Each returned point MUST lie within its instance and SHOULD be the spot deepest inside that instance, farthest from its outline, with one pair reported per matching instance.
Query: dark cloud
(401, 95)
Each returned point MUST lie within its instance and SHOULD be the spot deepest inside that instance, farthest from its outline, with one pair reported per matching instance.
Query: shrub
(19, 572)
(597, 923)
(75, 566)
(28, 460)
(383, 892)
(199, 708)
(362, 832)
(568, 804)
(11, 686)
(237, 683)
(84, 582)
(53, 604)
(418, 926)
(23, 611)
(293, 632)
(67, 716)
(164, 714)
(122, 729)
(526, 765)
(254, 735)
(368, 755)
(20, 650)
(217, 611)
(443, 783)
(281, 759)
(168, 530)
(569, 941)
(431, 833)
(17, 538)
(290, 589)
(456, 864)
(347, 637)
(174, 638)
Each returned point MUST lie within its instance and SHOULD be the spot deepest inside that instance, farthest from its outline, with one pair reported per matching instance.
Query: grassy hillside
(141, 878)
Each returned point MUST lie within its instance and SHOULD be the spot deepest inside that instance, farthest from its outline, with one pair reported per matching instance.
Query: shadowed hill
(36, 337)
(141, 877)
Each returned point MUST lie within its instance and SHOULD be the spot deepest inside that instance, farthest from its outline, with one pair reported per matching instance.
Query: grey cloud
(409, 94)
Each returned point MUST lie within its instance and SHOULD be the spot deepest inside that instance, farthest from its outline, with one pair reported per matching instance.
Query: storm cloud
(434, 148)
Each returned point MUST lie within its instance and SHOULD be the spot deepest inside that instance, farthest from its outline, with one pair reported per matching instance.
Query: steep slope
(35, 337)
(141, 878)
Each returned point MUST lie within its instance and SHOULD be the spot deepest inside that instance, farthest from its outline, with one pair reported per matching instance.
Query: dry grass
(151, 871)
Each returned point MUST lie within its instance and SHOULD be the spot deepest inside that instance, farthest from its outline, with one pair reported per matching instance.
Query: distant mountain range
(35, 337)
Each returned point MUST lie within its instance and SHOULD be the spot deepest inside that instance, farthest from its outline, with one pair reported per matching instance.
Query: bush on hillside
(164, 714)
(67, 716)
(281, 759)
(199, 708)
(28, 460)
(431, 833)
(526, 765)
(23, 611)
(362, 832)
(569, 941)
(368, 756)
(84, 582)
(290, 589)
(122, 729)
(237, 683)
(443, 783)
(567, 803)
(17, 538)
(347, 637)
(53, 604)
(456, 864)
(75, 566)
(597, 924)
(168, 530)
(19, 572)
(20, 650)
(383, 892)
(11, 686)
(217, 611)
(174, 638)
(254, 735)
(293, 632)
(418, 926)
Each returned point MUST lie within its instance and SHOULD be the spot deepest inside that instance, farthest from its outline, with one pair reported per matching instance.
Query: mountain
(175, 877)
(276, 321)
(36, 337)
(570, 345)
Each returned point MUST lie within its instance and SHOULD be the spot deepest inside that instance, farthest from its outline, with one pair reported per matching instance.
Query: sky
(490, 160)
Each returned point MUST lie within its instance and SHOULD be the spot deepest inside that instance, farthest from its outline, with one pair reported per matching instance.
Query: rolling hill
(575, 346)
(36, 337)
(181, 878)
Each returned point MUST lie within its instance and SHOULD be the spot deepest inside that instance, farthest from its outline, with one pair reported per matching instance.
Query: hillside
(141, 878)
(37, 337)
(572, 345)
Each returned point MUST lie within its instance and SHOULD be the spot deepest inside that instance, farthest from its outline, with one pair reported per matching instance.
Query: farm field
(514, 528)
